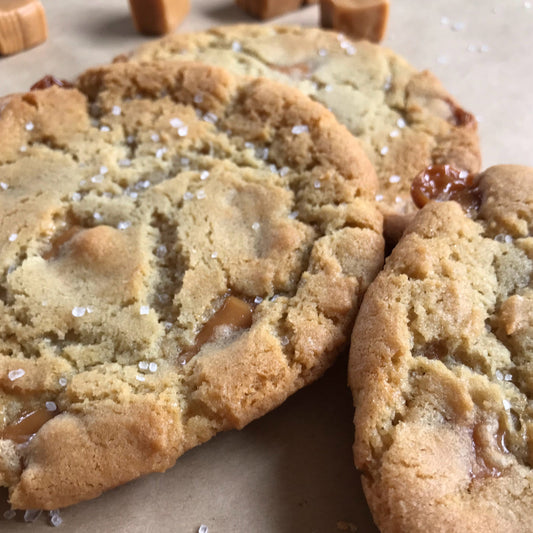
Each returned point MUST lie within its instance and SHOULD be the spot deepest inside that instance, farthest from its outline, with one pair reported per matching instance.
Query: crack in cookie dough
(441, 369)
(404, 118)
(180, 250)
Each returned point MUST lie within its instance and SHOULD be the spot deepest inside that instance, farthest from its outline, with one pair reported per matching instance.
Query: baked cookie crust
(405, 119)
(441, 367)
(180, 250)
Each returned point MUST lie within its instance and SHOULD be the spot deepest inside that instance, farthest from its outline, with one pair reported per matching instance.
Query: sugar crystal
(30, 515)
(182, 132)
(144, 310)
(10, 514)
(299, 128)
(13, 237)
(29, 126)
(152, 367)
(176, 122)
(78, 311)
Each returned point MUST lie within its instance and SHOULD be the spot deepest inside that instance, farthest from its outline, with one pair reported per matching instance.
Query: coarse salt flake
(55, 518)
(182, 132)
(76, 196)
(188, 195)
(78, 311)
(144, 310)
(29, 126)
(176, 122)
(204, 175)
(30, 515)
(124, 224)
(384, 150)
(13, 237)
(140, 377)
(50, 406)
(143, 365)
(299, 128)
(214, 255)
(203, 529)
(115, 110)
(152, 367)
(258, 300)
(15, 374)
(4, 186)
(394, 133)
(63, 382)
(394, 179)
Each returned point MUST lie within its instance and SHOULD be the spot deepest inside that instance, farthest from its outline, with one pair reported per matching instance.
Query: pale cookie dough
(441, 367)
(180, 250)
(405, 119)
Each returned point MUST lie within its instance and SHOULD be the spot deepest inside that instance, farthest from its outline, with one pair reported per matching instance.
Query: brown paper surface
(291, 471)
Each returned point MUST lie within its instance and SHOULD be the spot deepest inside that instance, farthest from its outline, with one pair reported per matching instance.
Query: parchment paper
(292, 471)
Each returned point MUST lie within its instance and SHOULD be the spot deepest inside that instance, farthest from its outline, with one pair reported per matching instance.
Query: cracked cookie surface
(405, 119)
(441, 367)
(180, 250)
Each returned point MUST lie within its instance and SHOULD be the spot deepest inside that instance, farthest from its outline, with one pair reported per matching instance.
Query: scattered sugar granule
(23, 148)
(256, 226)
(506, 404)
(394, 179)
(144, 310)
(258, 300)
(154, 137)
(50, 406)
(204, 175)
(198, 98)
(322, 52)
(63, 382)
(214, 255)
(13, 237)
(211, 118)
(143, 365)
(182, 132)
(161, 251)
(29, 126)
(317, 184)
(200, 194)
(160, 152)
(116, 110)
(124, 162)
(384, 150)
(293, 215)
(152, 367)
(78, 311)
(15, 374)
(105, 128)
(236, 46)
(140, 377)
(394, 133)
(76, 196)
(401, 123)
(188, 195)
(4, 186)
(97, 216)
(284, 340)
(176, 122)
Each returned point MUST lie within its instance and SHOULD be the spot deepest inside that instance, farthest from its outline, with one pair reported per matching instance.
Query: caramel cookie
(180, 250)
(441, 365)
(405, 119)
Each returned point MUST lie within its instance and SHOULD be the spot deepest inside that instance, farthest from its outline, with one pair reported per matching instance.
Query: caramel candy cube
(360, 19)
(157, 17)
(22, 25)
(267, 9)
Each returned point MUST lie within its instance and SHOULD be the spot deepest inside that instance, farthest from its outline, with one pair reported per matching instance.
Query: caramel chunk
(22, 25)
(267, 9)
(443, 183)
(28, 424)
(48, 81)
(157, 17)
(360, 19)
(234, 314)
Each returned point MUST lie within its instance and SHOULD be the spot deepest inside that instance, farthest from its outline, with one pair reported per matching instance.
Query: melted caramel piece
(460, 116)
(157, 17)
(49, 81)
(28, 424)
(443, 183)
(234, 313)
(58, 241)
(267, 9)
(360, 19)
(22, 25)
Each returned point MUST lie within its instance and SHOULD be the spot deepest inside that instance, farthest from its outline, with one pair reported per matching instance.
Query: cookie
(405, 119)
(181, 249)
(441, 365)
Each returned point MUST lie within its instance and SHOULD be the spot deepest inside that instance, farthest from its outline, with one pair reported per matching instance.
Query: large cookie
(180, 250)
(441, 366)
(405, 119)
